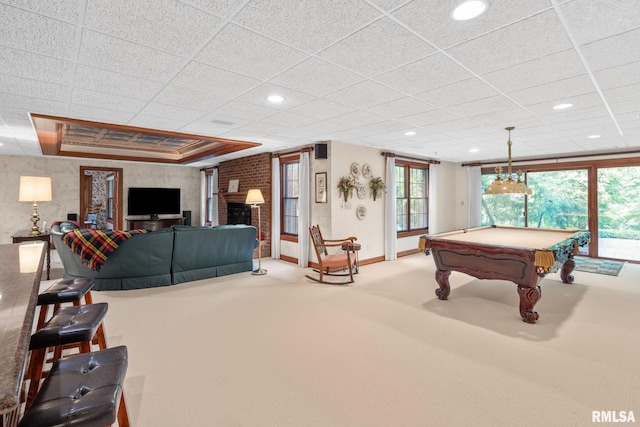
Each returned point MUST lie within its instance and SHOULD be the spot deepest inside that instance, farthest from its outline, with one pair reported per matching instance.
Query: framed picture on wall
(321, 187)
(233, 185)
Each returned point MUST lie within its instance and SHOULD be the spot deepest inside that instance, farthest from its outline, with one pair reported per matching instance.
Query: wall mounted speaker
(72, 217)
(186, 218)
(321, 150)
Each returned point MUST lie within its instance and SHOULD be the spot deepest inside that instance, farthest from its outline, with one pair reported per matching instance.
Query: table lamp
(35, 189)
(254, 198)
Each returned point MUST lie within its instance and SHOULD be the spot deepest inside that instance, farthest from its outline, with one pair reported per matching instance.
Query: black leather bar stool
(64, 291)
(68, 325)
(82, 390)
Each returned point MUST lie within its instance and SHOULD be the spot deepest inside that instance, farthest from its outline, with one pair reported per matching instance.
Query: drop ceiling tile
(239, 50)
(36, 105)
(243, 110)
(316, 77)
(321, 109)
(591, 20)
(95, 114)
(631, 106)
(109, 53)
(169, 26)
(155, 122)
(401, 107)
(357, 119)
(467, 129)
(425, 74)
(318, 23)
(115, 83)
(389, 4)
(365, 94)
(547, 69)
(577, 114)
(501, 118)
(457, 93)
(624, 93)
(544, 109)
(107, 101)
(562, 89)
(210, 128)
(323, 129)
(531, 38)
(621, 75)
(563, 126)
(35, 66)
(66, 10)
(33, 88)
(213, 80)
(285, 118)
(386, 126)
(613, 51)
(263, 128)
(222, 8)
(187, 98)
(170, 112)
(14, 116)
(379, 47)
(36, 33)
(258, 96)
(432, 19)
(487, 105)
(429, 118)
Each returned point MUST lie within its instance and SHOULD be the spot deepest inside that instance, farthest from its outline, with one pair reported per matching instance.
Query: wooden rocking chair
(341, 264)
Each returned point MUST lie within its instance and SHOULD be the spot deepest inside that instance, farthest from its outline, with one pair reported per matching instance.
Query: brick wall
(252, 172)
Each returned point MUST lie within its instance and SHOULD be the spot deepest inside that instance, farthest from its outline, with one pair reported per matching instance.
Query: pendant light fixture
(508, 185)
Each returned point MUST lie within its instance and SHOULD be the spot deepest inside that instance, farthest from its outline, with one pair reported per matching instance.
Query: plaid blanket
(94, 246)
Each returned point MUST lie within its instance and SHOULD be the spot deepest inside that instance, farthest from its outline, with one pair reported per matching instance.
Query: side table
(355, 247)
(24, 236)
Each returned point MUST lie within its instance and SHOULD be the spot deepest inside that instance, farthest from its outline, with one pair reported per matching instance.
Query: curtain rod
(551, 159)
(432, 162)
(302, 150)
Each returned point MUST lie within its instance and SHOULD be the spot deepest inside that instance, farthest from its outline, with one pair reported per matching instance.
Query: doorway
(103, 187)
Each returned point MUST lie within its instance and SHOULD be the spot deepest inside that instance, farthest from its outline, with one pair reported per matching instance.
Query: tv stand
(152, 224)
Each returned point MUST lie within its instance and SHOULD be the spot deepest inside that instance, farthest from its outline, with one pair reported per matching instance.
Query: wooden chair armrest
(342, 240)
(340, 243)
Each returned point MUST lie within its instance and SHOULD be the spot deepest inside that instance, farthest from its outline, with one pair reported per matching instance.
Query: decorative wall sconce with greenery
(377, 187)
(346, 185)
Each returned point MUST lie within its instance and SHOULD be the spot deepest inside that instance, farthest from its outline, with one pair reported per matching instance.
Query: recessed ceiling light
(474, 150)
(410, 133)
(593, 136)
(276, 99)
(562, 106)
(468, 10)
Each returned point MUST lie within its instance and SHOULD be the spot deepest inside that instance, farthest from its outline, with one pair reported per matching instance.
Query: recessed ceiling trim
(177, 148)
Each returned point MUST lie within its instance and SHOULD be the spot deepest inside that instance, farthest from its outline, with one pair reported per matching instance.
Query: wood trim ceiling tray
(61, 136)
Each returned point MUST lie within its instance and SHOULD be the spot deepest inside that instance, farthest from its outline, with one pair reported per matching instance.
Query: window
(110, 193)
(412, 200)
(210, 194)
(290, 185)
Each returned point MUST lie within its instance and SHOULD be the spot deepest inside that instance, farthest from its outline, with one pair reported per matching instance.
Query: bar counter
(18, 297)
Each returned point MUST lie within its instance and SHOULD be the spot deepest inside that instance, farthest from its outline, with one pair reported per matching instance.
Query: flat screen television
(153, 201)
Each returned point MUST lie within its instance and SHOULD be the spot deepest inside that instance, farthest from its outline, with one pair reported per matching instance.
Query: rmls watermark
(613, 417)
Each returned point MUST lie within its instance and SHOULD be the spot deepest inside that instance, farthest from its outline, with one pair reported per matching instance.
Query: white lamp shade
(35, 189)
(254, 196)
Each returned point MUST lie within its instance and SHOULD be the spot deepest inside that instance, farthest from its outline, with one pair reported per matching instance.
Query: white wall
(338, 219)
(65, 177)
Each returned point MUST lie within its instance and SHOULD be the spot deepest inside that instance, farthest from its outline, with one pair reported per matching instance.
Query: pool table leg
(567, 269)
(442, 277)
(528, 299)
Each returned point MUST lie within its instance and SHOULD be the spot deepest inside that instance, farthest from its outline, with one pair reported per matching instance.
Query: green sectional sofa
(165, 257)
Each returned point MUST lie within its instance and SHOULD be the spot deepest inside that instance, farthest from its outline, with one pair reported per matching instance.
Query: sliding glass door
(619, 213)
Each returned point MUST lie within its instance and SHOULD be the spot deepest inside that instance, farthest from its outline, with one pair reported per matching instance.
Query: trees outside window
(412, 200)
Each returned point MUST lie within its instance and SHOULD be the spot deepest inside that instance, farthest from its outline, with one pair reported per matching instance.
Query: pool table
(521, 255)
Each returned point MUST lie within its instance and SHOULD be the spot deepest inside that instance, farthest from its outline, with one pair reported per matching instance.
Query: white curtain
(304, 209)
(390, 232)
(433, 198)
(275, 207)
(214, 202)
(203, 196)
(474, 196)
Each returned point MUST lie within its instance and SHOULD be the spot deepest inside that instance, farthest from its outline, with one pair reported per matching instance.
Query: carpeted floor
(281, 350)
(598, 266)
